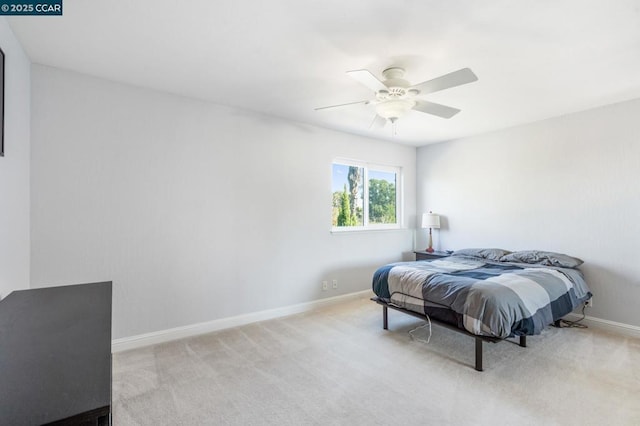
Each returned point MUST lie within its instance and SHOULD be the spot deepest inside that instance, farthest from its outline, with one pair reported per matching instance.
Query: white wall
(569, 184)
(194, 210)
(14, 167)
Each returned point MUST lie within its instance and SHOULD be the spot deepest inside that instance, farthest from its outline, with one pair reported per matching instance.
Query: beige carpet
(337, 366)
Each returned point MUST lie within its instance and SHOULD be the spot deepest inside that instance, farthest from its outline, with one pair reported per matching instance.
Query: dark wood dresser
(55, 356)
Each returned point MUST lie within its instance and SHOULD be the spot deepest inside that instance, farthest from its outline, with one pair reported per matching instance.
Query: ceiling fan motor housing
(397, 87)
(396, 101)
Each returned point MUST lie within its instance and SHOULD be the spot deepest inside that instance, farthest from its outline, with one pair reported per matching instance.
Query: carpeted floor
(337, 366)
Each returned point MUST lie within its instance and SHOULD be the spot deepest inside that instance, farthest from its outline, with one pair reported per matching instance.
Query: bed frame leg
(523, 341)
(385, 318)
(478, 354)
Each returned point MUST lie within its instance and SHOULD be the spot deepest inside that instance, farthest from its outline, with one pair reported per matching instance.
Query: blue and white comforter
(488, 298)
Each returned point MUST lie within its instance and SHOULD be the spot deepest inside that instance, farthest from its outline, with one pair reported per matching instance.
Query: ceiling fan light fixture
(394, 109)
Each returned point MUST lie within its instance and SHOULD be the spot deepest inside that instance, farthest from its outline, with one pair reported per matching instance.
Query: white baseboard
(153, 338)
(602, 324)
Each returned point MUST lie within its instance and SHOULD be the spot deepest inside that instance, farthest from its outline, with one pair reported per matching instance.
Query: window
(352, 184)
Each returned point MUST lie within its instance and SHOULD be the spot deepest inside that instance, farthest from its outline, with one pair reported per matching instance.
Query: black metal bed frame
(479, 339)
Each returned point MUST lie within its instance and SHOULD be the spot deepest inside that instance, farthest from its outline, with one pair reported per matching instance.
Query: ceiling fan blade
(366, 78)
(341, 105)
(453, 79)
(435, 109)
(378, 122)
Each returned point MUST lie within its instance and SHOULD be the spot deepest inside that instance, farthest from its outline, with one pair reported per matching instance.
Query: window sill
(345, 231)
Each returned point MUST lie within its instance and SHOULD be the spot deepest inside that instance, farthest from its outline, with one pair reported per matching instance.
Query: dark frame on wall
(1, 103)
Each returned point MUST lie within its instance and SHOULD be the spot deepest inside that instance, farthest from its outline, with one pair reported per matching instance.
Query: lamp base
(430, 248)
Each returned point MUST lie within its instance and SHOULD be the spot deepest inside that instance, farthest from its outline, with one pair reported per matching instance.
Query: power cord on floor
(418, 328)
(574, 324)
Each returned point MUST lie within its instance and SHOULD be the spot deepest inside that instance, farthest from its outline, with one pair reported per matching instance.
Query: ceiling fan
(395, 96)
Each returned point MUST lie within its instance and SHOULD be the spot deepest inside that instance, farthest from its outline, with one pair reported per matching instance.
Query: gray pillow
(484, 253)
(547, 258)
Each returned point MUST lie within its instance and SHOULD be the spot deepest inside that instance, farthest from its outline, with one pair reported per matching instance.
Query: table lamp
(431, 221)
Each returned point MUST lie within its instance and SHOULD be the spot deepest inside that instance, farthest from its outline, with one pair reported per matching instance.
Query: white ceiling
(535, 59)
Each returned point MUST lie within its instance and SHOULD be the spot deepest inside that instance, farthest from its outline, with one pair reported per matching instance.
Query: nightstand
(423, 255)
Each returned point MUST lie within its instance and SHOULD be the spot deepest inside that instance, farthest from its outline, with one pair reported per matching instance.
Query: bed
(489, 294)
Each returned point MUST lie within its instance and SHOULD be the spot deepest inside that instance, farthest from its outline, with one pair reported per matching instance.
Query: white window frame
(366, 166)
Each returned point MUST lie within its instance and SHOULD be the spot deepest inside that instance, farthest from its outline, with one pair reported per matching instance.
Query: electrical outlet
(334, 283)
(325, 285)
(589, 303)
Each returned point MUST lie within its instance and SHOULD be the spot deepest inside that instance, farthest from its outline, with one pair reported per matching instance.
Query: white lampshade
(430, 220)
